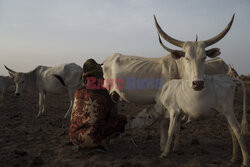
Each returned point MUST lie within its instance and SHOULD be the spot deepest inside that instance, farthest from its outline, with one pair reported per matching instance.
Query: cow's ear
(212, 53)
(176, 54)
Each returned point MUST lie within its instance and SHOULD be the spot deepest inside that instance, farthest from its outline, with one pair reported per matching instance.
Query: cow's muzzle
(198, 85)
(17, 94)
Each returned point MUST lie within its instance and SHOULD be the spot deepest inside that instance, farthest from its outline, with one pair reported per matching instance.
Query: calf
(178, 97)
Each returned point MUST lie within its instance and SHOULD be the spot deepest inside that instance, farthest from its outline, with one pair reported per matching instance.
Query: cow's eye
(187, 58)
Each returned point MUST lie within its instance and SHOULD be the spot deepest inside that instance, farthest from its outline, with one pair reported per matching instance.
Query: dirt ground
(27, 141)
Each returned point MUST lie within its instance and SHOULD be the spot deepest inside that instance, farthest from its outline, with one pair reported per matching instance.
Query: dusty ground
(26, 141)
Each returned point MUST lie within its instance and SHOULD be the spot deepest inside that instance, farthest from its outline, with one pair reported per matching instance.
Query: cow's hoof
(233, 160)
(163, 155)
(244, 165)
(162, 148)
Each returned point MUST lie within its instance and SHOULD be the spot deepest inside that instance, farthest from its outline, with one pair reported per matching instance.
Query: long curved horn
(218, 37)
(175, 53)
(10, 70)
(166, 48)
(167, 37)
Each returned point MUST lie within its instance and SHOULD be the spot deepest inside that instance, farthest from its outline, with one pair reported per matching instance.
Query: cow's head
(193, 54)
(19, 79)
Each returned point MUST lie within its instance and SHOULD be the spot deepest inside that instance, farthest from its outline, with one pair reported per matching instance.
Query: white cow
(43, 79)
(134, 68)
(197, 94)
(5, 82)
(178, 97)
(153, 72)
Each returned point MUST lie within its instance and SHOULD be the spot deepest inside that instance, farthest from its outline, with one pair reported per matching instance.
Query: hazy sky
(52, 32)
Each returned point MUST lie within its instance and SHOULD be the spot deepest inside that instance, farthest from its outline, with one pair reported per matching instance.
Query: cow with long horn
(143, 76)
(203, 91)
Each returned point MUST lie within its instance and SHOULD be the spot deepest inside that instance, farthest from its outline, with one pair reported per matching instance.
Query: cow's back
(216, 66)
(70, 73)
(140, 67)
(132, 69)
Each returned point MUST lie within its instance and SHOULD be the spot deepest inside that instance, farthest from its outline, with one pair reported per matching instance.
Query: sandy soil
(27, 141)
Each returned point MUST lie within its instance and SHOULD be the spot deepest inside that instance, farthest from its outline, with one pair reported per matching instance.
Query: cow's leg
(44, 104)
(163, 132)
(71, 97)
(40, 103)
(177, 136)
(237, 132)
(235, 146)
(174, 114)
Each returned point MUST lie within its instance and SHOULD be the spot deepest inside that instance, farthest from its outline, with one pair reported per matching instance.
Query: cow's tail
(64, 84)
(244, 124)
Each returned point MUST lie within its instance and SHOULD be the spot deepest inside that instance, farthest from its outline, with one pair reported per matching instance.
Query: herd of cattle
(187, 79)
